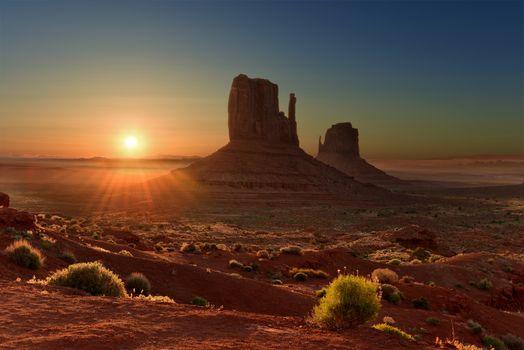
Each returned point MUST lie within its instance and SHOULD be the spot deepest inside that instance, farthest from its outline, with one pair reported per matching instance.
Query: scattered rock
(21, 220)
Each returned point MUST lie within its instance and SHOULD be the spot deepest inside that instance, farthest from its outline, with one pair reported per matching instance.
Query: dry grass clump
(22, 253)
(263, 254)
(125, 252)
(309, 272)
(454, 344)
(92, 277)
(349, 301)
(291, 250)
(389, 329)
(384, 276)
(155, 298)
(138, 283)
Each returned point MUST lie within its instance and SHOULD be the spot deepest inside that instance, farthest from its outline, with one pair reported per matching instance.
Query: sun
(130, 142)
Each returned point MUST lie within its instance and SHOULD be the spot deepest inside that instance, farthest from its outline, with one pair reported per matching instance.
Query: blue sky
(419, 79)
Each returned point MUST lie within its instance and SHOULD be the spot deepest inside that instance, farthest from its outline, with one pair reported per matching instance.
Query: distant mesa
(263, 157)
(341, 150)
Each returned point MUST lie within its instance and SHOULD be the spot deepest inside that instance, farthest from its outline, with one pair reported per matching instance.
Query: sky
(419, 79)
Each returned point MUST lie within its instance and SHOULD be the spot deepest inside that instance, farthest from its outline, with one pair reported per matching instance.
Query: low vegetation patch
(349, 301)
(493, 342)
(513, 342)
(433, 321)
(384, 276)
(235, 264)
(137, 283)
(291, 250)
(420, 254)
(389, 329)
(92, 277)
(22, 253)
(420, 303)
(391, 293)
(199, 301)
(484, 284)
(407, 279)
(300, 276)
(394, 262)
(475, 327)
(68, 257)
(309, 272)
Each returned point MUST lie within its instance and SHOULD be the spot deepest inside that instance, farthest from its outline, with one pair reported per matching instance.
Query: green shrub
(394, 262)
(300, 276)
(138, 283)
(68, 257)
(420, 303)
(46, 244)
(493, 342)
(291, 250)
(349, 301)
(420, 254)
(384, 276)
(513, 342)
(276, 281)
(389, 329)
(22, 253)
(199, 301)
(247, 268)
(484, 284)
(415, 262)
(475, 327)
(507, 268)
(125, 252)
(309, 272)
(391, 293)
(91, 277)
(433, 321)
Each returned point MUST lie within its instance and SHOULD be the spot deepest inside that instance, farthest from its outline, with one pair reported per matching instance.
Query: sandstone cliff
(263, 160)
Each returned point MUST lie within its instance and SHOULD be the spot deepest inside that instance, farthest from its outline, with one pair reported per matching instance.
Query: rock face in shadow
(263, 160)
(254, 112)
(341, 138)
(341, 150)
(4, 200)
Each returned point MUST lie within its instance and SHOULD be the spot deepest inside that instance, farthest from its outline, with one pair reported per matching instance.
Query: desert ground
(472, 234)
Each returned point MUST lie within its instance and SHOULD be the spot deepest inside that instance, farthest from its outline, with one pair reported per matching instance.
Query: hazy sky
(419, 79)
